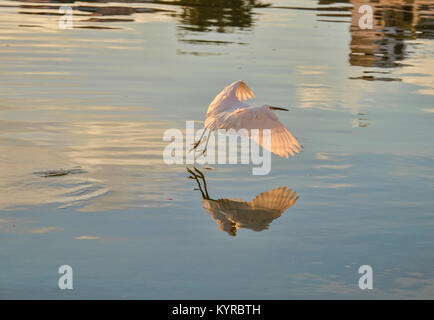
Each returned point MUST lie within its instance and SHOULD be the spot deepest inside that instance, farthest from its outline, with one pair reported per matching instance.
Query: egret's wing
(277, 199)
(282, 141)
(230, 98)
(242, 91)
(236, 90)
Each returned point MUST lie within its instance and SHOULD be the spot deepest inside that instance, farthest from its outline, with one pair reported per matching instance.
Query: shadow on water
(232, 214)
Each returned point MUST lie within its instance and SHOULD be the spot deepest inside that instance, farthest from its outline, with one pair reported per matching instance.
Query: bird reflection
(232, 214)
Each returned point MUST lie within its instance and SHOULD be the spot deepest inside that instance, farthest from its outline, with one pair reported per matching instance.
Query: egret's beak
(277, 108)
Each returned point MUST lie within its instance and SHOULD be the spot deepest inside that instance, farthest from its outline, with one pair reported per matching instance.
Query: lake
(83, 183)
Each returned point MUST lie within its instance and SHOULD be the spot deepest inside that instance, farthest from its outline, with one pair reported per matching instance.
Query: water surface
(83, 181)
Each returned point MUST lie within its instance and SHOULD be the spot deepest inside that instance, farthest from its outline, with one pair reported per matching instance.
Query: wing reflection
(232, 214)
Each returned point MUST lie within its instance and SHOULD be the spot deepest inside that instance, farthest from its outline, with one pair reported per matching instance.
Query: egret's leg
(206, 144)
(203, 180)
(196, 144)
(195, 177)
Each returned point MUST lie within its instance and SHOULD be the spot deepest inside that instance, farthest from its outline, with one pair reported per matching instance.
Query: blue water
(98, 100)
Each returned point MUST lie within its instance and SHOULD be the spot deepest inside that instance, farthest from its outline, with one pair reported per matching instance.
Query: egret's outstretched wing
(230, 98)
(277, 199)
(242, 91)
(236, 90)
(282, 141)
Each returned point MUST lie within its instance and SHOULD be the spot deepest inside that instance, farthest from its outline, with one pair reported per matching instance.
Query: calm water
(96, 99)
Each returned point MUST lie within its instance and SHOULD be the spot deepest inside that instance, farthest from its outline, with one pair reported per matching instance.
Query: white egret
(228, 111)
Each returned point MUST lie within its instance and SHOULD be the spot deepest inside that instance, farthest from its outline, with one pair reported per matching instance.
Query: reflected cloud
(232, 214)
(311, 70)
(100, 240)
(324, 156)
(87, 238)
(334, 186)
(333, 166)
(44, 230)
(21, 226)
(315, 95)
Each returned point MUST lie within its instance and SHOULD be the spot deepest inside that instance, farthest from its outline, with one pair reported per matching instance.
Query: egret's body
(228, 111)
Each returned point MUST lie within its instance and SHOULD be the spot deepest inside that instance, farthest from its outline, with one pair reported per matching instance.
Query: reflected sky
(82, 179)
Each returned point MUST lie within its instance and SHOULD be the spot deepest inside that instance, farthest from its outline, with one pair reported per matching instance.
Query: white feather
(227, 111)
